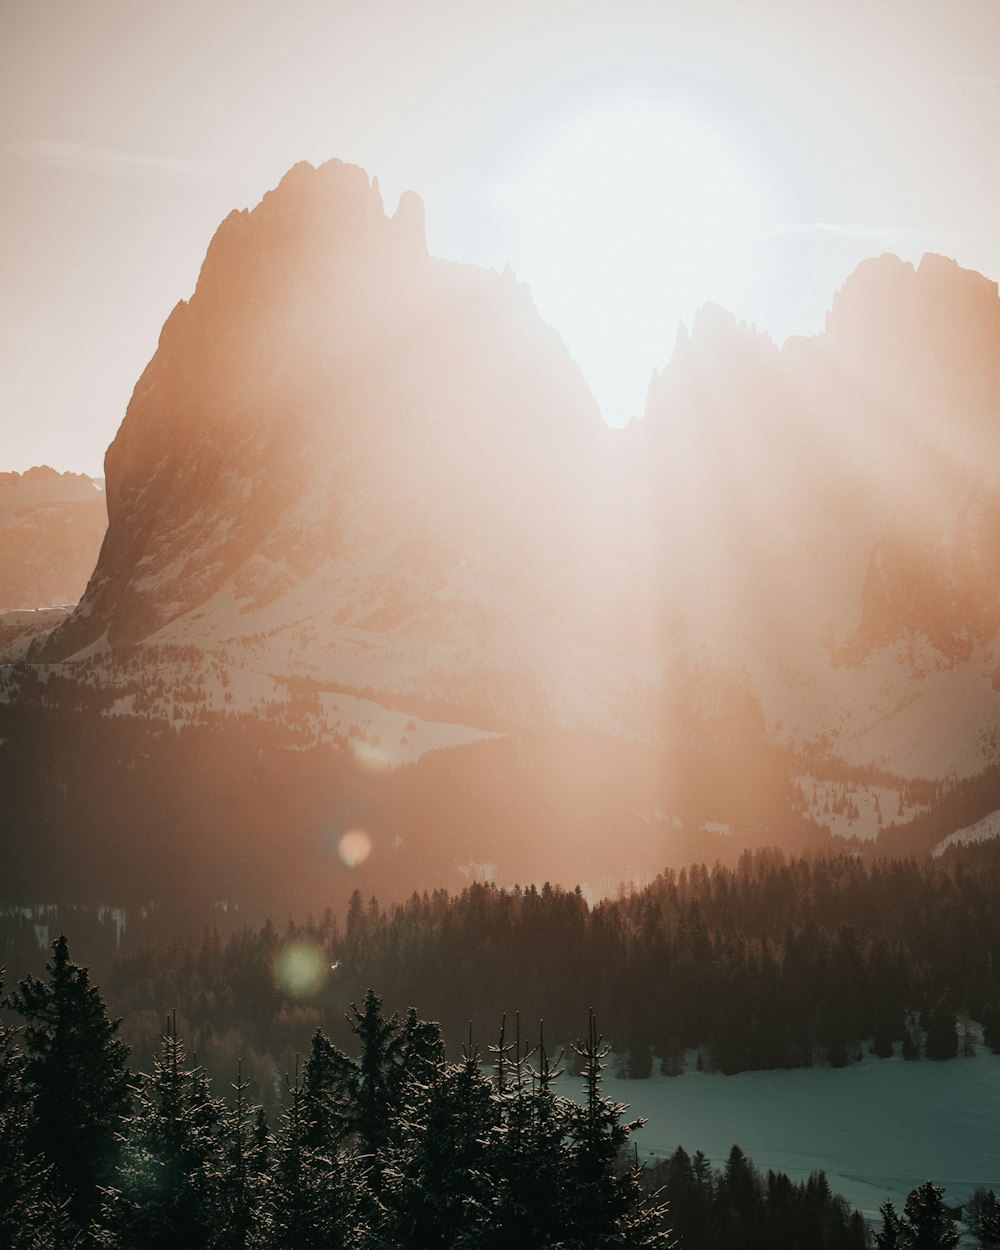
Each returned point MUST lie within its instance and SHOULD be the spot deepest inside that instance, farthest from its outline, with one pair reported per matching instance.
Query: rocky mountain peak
(331, 393)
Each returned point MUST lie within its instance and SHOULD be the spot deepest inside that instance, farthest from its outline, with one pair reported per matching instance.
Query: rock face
(933, 358)
(51, 528)
(381, 468)
(353, 464)
(845, 496)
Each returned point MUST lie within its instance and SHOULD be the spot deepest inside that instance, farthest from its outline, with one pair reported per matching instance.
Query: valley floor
(878, 1128)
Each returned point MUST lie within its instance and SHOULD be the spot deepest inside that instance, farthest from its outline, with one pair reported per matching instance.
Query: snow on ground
(878, 1128)
(182, 690)
(930, 720)
(384, 735)
(847, 809)
(982, 831)
(18, 629)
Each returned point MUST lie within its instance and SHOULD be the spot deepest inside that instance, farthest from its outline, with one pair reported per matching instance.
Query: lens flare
(301, 968)
(355, 847)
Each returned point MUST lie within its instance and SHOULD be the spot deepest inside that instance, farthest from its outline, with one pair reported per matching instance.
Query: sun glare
(626, 218)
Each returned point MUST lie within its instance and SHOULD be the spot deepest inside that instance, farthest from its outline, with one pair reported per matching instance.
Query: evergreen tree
(171, 1174)
(597, 1200)
(375, 1084)
(891, 1236)
(683, 1193)
(643, 1223)
(421, 1047)
(77, 1078)
(526, 1159)
(326, 1093)
(243, 1160)
(738, 1198)
(311, 1198)
(436, 1194)
(929, 1226)
(989, 1222)
(30, 1218)
(982, 1215)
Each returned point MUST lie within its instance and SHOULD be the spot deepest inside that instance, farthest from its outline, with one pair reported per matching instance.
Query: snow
(367, 620)
(381, 735)
(182, 687)
(982, 831)
(19, 628)
(877, 1128)
(822, 797)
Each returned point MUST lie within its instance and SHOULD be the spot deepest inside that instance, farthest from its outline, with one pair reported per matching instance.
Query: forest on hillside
(778, 962)
(387, 1145)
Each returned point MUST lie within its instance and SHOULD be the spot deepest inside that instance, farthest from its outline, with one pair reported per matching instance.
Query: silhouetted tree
(76, 1077)
(171, 1175)
(311, 1199)
(30, 1217)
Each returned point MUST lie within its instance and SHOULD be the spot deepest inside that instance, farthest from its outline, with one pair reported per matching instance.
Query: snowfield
(877, 1128)
(982, 831)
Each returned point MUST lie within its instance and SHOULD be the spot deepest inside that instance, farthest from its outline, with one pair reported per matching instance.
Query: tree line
(778, 962)
(392, 1146)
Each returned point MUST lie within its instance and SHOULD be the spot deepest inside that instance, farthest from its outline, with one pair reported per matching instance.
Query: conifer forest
(262, 1115)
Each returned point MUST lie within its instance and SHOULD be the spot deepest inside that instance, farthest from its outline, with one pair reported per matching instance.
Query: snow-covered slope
(984, 830)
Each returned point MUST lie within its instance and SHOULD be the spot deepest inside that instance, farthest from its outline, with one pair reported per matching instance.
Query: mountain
(374, 561)
(845, 490)
(52, 525)
(357, 464)
(51, 528)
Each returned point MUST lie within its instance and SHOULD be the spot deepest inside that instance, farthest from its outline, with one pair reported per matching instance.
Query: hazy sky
(629, 161)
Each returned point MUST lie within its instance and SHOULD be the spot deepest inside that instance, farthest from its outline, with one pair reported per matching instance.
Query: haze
(629, 164)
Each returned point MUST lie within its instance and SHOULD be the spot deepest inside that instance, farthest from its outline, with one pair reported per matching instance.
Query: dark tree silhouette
(76, 1075)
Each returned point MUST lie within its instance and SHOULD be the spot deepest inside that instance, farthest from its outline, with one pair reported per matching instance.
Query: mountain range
(363, 509)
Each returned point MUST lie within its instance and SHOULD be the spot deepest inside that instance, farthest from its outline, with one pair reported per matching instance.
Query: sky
(629, 161)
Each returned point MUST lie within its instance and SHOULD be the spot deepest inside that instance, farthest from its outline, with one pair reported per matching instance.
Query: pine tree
(170, 1178)
(598, 1202)
(643, 1224)
(311, 1198)
(929, 1226)
(686, 1194)
(375, 1084)
(982, 1216)
(77, 1078)
(738, 1196)
(989, 1222)
(434, 1190)
(243, 1160)
(525, 1151)
(893, 1233)
(326, 1091)
(30, 1218)
(421, 1047)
